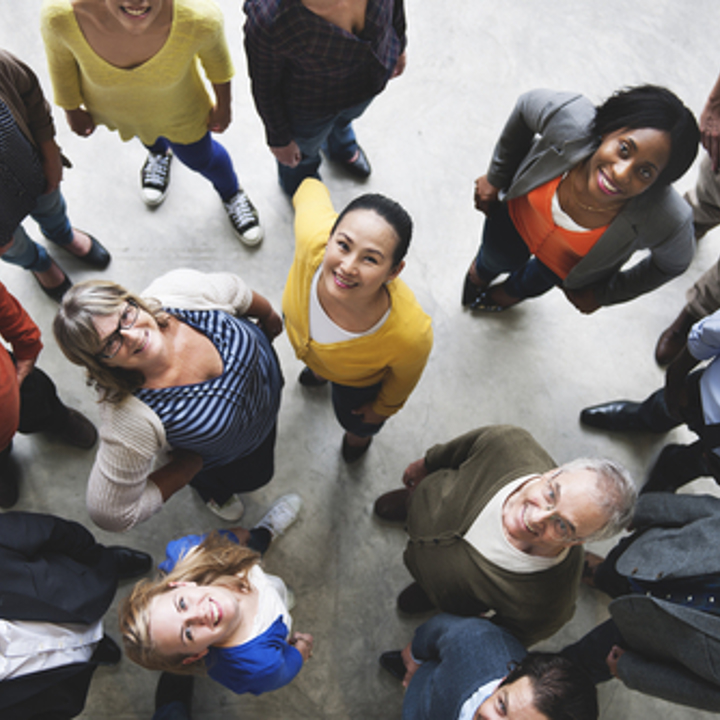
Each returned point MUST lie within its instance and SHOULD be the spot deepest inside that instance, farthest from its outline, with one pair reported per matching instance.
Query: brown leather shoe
(76, 430)
(673, 339)
(413, 600)
(392, 506)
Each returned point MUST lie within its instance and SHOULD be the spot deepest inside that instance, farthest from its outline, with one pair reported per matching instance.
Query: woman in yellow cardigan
(134, 67)
(348, 316)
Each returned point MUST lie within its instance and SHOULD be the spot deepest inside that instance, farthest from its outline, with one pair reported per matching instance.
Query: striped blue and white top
(229, 416)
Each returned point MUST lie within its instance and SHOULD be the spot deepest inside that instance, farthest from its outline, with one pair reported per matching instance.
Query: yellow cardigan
(395, 354)
(163, 96)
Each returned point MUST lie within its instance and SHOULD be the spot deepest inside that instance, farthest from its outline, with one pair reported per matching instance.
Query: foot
(89, 250)
(392, 662)
(244, 218)
(281, 515)
(174, 688)
(9, 483)
(354, 447)
(392, 506)
(130, 563)
(358, 165)
(473, 286)
(230, 511)
(673, 339)
(155, 178)
(54, 282)
(618, 416)
(308, 378)
(76, 430)
(107, 652)
(495, 299)
(413, 600)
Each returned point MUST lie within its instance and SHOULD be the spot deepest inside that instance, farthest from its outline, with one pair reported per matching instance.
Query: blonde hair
(216, 561)
(78, 338)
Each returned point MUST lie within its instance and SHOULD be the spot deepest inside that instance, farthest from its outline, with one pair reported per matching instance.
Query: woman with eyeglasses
(189, 386)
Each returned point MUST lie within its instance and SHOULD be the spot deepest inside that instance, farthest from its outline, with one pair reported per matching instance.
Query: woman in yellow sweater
(349, 317)
(133, 66)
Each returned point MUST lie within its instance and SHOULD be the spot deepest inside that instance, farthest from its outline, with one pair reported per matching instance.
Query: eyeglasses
(559, 526)
(113, 343)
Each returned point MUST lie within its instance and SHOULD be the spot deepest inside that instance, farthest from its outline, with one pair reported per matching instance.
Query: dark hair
(651, 106)
(561, 689)
(392, 212)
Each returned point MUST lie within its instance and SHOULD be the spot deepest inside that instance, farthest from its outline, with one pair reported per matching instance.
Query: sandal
(484, 303)
(471, 292)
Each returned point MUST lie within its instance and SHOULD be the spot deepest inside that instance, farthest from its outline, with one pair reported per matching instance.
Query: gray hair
(77, 336)
(615, 492)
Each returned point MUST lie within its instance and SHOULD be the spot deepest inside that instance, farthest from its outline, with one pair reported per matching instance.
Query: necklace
(575, 196)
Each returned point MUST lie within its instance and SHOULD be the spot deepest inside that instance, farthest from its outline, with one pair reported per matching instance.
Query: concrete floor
(429, 135)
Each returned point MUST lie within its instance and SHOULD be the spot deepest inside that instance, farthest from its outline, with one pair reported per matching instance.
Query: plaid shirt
(300, 62)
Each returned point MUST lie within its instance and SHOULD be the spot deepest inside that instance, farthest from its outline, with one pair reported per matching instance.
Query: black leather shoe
(308, 378)
(413, 600)
(359, 167)
(352, 453)
(97, 257)
(174, 688)
(130, 563)
(392, 506)
(676, 466)
(76, 430)
(56, 293)
(620, 416)
(107, 652)
(9, 483)
(392, 662)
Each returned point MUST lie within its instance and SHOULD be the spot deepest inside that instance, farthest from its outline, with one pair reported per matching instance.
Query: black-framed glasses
(113, 343)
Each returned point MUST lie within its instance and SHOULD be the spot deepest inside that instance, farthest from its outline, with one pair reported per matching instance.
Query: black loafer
(107, 652)
(618, 416)
(308, 378)
(97, 257)
(413, 600)
(392, 662)
(130, 563)
(58, 292)
(358, 167)
(351, 453)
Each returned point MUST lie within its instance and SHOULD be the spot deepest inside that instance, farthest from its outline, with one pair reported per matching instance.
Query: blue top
(265, 663)
(229, 416)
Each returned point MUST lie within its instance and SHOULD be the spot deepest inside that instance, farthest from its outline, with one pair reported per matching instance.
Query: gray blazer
(547, 134)
(673, 651)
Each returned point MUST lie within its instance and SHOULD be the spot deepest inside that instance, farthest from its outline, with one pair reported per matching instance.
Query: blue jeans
(345, 399)
(207, 157)
(332, 133)
(503, 250)
(50, 213)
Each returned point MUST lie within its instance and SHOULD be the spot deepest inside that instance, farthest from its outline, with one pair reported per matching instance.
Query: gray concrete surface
(428, 136)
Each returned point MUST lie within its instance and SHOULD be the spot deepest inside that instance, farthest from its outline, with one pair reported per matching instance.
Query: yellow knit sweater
(395, 354)
(163, 96)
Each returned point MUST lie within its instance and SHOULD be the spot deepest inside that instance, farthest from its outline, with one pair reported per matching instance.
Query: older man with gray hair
(495, 525)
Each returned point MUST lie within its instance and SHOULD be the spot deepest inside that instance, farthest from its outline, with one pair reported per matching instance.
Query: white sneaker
(155, 178)
(244, 218)
(231, 510)
(282, 514)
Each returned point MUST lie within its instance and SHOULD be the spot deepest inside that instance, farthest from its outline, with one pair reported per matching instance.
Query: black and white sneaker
(155, 178)
(244, 218)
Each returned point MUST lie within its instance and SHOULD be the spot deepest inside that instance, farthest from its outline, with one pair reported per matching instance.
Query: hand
(710, 131)
(485, 195)
(52, 165)
(23, 368)
(271, 324)
(368, 415)
(415, 473)
(289, 154)
(584, 299)
(80, 121)
(219, 118)
(399, 66)
(616, 652)
(411, 666)
(303, 643)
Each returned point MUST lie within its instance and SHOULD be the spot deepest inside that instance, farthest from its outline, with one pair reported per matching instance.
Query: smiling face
(190, 618)
(553, 511)
(135, 16)
(515, 701)
(359, 257)
(141, 344)
(626, 164)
